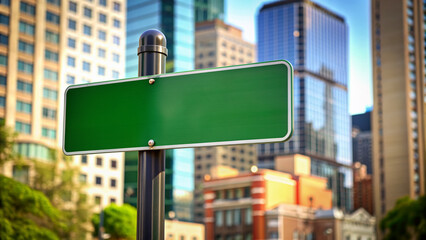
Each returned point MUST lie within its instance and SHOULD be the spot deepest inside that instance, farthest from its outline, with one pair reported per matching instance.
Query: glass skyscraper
(314, 40)
(207, 10)
(175, 18)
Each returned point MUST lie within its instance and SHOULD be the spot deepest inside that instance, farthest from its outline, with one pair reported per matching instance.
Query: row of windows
(102, 18)
(233, 217)
(98, 200)
(25, 128)
(99, 161)
(28, 28)
(72, 6)
(98, 180)
(28, 68)
(236, 193)
(87, 30)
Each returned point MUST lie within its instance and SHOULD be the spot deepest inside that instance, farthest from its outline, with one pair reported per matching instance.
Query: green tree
(58, 180)
(26, 213)
(7, 139)
(119, 221)
(406, 220)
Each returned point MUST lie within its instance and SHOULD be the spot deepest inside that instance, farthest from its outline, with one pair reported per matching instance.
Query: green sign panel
(242, 104)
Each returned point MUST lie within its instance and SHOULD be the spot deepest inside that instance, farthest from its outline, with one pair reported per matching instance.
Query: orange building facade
(235, 206)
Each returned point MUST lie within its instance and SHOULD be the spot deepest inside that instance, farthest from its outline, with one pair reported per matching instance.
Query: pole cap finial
(152, 41)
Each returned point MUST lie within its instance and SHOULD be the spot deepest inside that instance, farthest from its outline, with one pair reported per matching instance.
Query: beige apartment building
(216, 45)
(45, 46)
(398, 116)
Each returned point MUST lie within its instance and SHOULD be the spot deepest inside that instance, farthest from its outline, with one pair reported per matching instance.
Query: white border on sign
(191, 145)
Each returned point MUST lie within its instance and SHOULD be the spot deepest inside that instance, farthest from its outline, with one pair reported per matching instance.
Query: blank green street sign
(241, 104)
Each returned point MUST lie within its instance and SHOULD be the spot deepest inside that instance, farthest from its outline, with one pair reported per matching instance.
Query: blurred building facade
(398, 88)
(235, 207)
(176, 20)
(363, 188)
(45, 46)
(362, 145)
(314, 40)
(216, 45)
(290, 222)
(207, 10)
(174, 229)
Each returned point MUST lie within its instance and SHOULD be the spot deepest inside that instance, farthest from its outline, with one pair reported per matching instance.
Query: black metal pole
(152, 53)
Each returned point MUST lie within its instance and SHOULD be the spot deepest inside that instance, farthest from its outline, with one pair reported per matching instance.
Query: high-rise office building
(398, 115)
(207, 10)
(216, 45)
(46, 45)
(314, 40)
(362, 146)
(176, 20)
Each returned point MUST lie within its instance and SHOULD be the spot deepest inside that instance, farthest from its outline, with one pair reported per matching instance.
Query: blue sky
(242, 14)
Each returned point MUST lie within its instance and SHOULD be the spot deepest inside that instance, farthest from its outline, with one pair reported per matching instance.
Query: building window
(101, 52)
(71, 61)
(52, 37)
(49, 113)
(25, 47)
(97, 200)
(86, 48)
(4, 39)
(228, 218)
(248, 217)
(5, 2)
(115, 57)
(27, 8)
(51, 56)
(114, 164)
(98, 180)
(55, 2)
(70, 79)
(103, 2)
(116, 40)
(102, 18)
(24, 27)
(83, 178)
(72, 24)
(98, 161)
(3, 80)
(117, 23)
(72, 6)
(71, 42)
(86, 66)
(87, 30)
(2, 101)
(112, 200)
(113, 183)
(51, 17)
(115, 74)
(20, 174)
(24, 87)
(101, 71)
(237, 217)
(25, 67)
(21, 127)
(23, 107)
(87, 12)
(218, 216)
(50, 94)
(49, 133)
(101, 35)
(4, 19)
(50, 75)
(117, 6)
(84, 159)
(3, 60)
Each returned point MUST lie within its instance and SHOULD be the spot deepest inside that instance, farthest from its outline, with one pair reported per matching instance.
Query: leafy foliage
(406, 219)
(119, 221)
(26, 213)
(7, 139)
